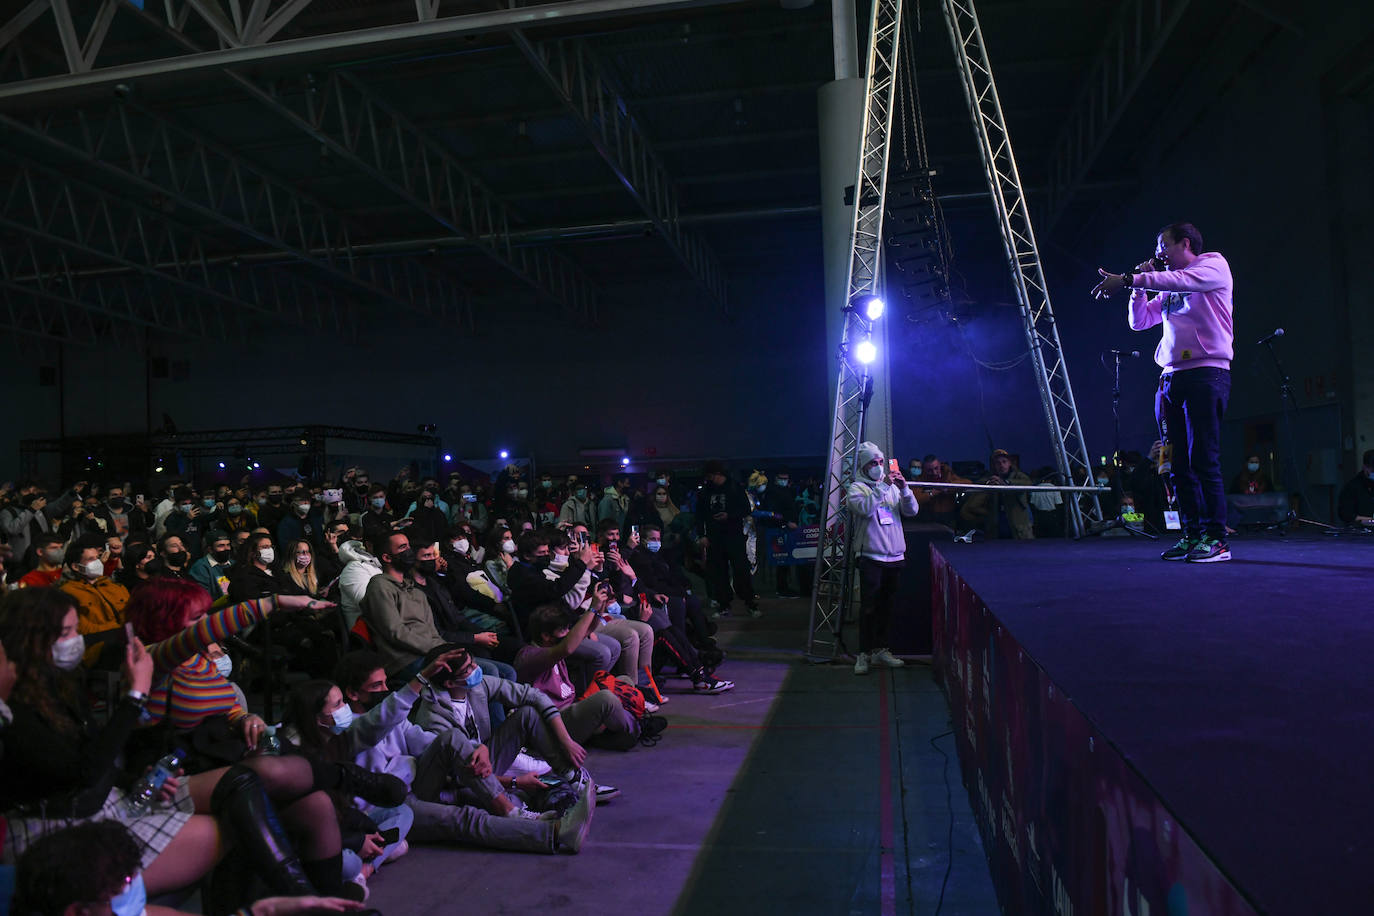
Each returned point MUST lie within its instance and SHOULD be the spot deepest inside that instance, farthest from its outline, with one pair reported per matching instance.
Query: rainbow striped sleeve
(213, 627)
(192, 693)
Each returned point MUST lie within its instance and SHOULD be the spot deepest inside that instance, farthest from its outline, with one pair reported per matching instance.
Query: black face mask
(372, 698)
(274, 498)
(176, 558)
(404, 561)
(541, 562)
(222, 556)
(427, 567)
(118, 504)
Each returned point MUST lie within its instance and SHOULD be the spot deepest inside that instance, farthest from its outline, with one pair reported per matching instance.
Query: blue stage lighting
(865, 352)
(504, 454)
(874, 308)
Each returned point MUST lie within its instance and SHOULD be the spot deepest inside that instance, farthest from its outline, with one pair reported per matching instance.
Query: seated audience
(49, 549)
(397, 613)
(1251, 479)
(213, 570)
(1355, 505)
(999, 516)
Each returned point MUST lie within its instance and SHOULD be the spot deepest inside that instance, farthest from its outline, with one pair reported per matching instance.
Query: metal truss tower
(835, 587)
(835, 583)
(1023, 257)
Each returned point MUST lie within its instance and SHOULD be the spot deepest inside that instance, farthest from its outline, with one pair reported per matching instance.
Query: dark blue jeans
(1189, 406)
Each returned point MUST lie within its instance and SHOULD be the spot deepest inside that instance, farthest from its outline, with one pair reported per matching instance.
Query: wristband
(424, 681)
(138, 696)
(1128, 277)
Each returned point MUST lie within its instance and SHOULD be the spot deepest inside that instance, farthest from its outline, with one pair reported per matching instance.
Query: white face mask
(461, 545)
(93, 570)
(559, 562)
(224, 665)
(875, 473)
(508, 547)
(267, 556)
(66, 653)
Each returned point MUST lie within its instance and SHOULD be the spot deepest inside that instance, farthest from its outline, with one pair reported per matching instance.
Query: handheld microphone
(1134, 354)
(1278, 332)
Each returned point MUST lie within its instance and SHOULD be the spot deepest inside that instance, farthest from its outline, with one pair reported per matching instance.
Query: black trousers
(877, 598)
(726, 560)
(1189, 406)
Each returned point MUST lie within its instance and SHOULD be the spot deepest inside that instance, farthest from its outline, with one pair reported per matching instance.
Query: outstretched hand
(1109, 284)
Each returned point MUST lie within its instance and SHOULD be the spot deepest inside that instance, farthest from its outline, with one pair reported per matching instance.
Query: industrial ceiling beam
(81, 224)
(372, 41)
(572, 71)
(137, 147)
(1129, 48)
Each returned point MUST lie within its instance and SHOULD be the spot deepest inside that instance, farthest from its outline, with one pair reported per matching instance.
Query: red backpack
(630, 696)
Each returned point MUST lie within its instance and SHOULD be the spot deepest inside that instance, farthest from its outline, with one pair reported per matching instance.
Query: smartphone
(390, 835)
(894, 466)
(138, 498)
(469, 497)
(634, 530)
(129, 636)
(550, 780)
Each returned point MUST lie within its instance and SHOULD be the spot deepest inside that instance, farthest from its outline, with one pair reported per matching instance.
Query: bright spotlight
(874, 308)
(256, 465)
(504, 454)
(447, 457)
(158, 469)
(865, 352)
(625, 462)
(221, 465)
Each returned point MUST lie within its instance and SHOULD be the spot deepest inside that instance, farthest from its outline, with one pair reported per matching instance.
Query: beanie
(868, 451)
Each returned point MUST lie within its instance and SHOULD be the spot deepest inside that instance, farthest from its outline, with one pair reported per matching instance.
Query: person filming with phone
(877, 500)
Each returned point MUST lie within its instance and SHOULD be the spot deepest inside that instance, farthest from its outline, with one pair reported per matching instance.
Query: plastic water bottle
(269, 745)
(140, 800)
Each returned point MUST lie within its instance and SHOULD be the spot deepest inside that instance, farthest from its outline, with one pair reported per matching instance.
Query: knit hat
(868, 451)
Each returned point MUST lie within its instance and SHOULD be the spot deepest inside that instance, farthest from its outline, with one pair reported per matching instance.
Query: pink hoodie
(1195, 306)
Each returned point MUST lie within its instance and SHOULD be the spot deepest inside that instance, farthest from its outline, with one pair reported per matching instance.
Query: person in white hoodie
(876, 500)
(359, 568)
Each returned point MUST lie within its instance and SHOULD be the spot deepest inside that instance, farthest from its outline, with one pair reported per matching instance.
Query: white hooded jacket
(359, 568)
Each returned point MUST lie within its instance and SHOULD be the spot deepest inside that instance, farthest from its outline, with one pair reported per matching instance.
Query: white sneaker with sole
(886, 659)
(861, 663)
(573, 827)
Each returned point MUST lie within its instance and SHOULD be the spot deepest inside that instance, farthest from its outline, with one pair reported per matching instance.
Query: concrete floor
(767, 799)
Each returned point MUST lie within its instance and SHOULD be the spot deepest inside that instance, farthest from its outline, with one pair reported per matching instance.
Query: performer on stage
(1192, 298)
(876, 502)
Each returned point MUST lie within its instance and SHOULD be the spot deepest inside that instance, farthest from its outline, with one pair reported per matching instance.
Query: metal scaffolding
(835, 583)
(1023, 257)
(834, 592)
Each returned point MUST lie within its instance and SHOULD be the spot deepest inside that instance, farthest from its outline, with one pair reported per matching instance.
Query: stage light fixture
(874, 308)
(504, 454)
(158, 469)
(221, 465)
(625, 462)
(447, 457)
(256, 465)
(865, 352)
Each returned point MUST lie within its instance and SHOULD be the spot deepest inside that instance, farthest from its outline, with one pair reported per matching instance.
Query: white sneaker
(861, 663)
(885, 658)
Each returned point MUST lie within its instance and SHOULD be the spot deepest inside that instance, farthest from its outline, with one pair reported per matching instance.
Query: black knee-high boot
(381, 789)
(241, 803)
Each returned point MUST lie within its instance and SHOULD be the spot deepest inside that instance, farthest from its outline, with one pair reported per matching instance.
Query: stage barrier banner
(793, 546)
(1068, 826)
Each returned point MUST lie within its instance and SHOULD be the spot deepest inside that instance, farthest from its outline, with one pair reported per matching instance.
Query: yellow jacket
(99, 607)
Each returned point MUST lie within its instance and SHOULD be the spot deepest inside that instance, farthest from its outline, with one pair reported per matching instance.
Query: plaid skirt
(153, 831)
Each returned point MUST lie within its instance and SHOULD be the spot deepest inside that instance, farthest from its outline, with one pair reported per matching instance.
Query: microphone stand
(1288, 409)
(1118, 521)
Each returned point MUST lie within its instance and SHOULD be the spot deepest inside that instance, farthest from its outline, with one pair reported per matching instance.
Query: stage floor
(1242, 692)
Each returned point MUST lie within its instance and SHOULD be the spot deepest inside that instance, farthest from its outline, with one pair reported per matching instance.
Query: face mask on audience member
(661, 498)
(224, 665)
(473, 679)
(508, 546)
(522, 493)
(302, 508)
(545, 484)
(262, 500)
(1252, 467)
(267, 556)
(914, 471)
(405, 560)
(662, 481)
(653, 545)
(343, 717)
(543, 561)
(303, 560)
(460, 545)
(134, 900)
(186, 508)
(208, 502)
(93, 570)
(1101, 481)
(234, 509)
(117, 504)
(54, 557)
(274, 498)
(782, 481)
(558, 562)
(427, 567)
(176, 558)
(581, 492)
(875, 473)
(223, 554)
(378, 503)
(66, 653)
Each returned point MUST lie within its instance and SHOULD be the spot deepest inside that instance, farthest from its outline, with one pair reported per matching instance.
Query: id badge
(884, 515)
(1171, 521)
